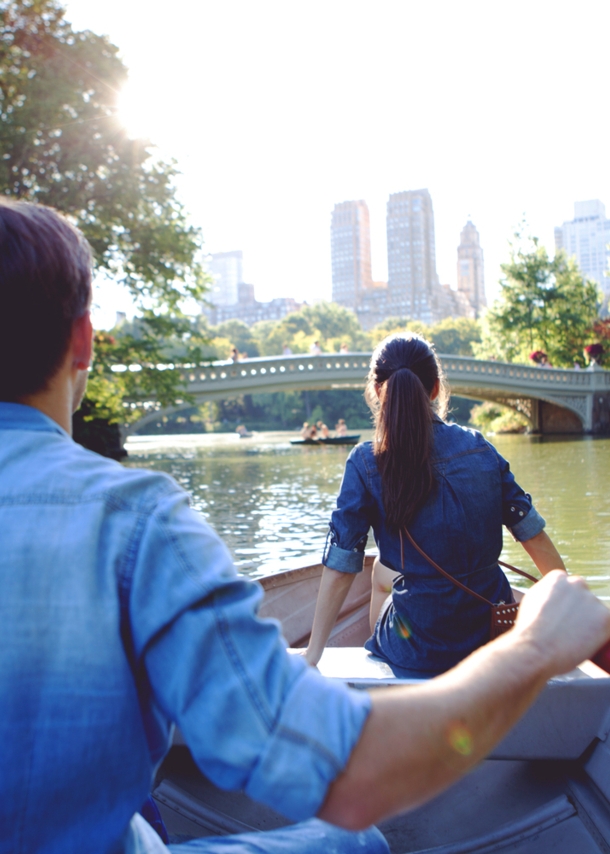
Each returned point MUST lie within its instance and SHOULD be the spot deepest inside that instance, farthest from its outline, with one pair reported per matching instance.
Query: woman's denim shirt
(433, 624)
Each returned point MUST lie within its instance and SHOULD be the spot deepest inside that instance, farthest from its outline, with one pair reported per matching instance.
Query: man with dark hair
(45, 270)
(121, 613)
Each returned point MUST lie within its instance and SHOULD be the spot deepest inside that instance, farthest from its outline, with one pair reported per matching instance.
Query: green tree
(455, 336)
(63, 145)
(326, 322)
(545, 304)
(240, 335)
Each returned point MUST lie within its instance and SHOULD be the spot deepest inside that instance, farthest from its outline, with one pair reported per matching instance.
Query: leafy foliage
(63, 145)
(328, 323)
(545, 304)
(495, 418)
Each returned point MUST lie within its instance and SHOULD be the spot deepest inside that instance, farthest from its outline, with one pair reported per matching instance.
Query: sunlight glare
(137, 113)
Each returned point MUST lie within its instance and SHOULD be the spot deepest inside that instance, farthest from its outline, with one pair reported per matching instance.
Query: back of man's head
(45, 285)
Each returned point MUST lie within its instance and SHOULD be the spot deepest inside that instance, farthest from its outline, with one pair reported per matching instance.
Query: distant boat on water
(334, 440)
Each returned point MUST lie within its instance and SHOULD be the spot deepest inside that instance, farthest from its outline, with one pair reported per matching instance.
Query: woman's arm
(544, 554)
(334, 588)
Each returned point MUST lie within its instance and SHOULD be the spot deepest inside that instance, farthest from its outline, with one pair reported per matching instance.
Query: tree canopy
(545, 304)
(63, 145)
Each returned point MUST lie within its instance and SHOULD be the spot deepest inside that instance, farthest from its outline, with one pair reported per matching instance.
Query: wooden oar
(602, 658)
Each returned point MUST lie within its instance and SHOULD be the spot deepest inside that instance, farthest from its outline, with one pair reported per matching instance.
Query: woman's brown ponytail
(404, 372)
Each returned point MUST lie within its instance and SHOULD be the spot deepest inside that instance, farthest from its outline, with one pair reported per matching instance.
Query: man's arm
(419, 740)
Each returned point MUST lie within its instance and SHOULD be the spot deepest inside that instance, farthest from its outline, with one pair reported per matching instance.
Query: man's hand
(563, 620)
(419, 740)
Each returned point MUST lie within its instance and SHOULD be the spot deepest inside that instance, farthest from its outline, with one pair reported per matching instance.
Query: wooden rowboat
(329, 440)
(544, 790)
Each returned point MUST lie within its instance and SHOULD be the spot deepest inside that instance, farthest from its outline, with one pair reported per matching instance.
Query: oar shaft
(602, 658)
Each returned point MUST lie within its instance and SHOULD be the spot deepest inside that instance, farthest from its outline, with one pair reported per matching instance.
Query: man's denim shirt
(121, 613)
(433, 624)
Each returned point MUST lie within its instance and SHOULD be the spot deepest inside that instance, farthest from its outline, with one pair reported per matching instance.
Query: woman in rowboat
(451, 491)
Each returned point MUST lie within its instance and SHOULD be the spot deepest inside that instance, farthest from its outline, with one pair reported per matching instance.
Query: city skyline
(413, 289)
(267, 140)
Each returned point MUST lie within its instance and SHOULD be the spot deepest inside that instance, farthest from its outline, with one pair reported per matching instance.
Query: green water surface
(271, 501)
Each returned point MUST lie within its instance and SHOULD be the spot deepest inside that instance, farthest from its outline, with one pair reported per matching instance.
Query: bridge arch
(542, 394)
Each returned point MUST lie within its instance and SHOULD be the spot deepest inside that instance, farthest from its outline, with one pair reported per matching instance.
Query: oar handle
(602, 658)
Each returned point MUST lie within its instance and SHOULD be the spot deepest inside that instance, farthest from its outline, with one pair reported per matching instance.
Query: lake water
(271, 501)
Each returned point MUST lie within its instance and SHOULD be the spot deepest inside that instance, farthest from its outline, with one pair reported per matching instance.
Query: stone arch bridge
(553, 400)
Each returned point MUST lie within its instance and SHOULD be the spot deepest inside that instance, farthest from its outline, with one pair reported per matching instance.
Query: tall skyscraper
(470, 272)
(412, 279)
(587, 237)
(351, 253)
(226, 269)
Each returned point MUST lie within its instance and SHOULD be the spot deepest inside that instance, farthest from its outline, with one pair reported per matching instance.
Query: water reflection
(271, 501)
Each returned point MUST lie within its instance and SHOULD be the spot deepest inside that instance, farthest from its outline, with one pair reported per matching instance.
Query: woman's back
(459, 526)
(450, 489)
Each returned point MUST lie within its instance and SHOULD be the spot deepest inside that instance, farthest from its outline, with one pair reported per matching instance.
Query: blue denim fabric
(432, 624)
(307, 837)
(120, 614)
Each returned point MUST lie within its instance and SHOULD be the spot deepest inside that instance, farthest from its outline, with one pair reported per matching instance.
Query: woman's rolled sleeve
(518, 512)
(528, 527)
(343, 560)
(350, 522)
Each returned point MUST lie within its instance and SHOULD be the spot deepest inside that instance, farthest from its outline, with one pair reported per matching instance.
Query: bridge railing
(263, 370)
(532, 375)
(273, 367)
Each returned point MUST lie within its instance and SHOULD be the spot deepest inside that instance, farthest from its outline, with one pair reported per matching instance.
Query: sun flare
(137, 114)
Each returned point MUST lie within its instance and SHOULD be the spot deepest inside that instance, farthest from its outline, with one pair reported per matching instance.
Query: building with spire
(470, 273)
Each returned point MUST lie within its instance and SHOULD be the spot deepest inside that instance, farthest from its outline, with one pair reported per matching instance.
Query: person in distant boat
(305, 429)
(123, 614)
(452, 492)
(323, 430)
(341, 427)
(243, 431)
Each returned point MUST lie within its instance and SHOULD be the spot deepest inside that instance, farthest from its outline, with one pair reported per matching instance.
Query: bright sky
(277, 109)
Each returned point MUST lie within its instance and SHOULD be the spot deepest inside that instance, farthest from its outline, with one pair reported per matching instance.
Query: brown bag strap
(446, 574)
(520, 571)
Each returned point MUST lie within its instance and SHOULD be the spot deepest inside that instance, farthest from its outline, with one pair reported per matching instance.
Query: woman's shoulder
(452, 438)
(362, 452)
(363, 457)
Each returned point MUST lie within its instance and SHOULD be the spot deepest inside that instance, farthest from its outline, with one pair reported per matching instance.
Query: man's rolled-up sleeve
(254, 717)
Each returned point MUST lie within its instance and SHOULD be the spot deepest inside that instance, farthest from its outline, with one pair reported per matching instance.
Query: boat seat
(357, 667)
(570, 714)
